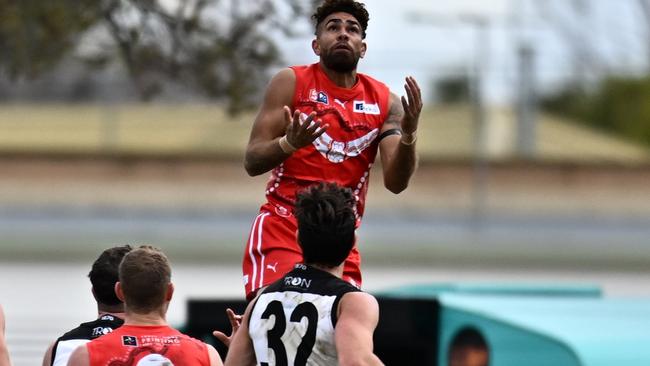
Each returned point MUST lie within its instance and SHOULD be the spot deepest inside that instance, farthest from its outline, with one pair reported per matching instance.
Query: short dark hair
(466, 341)
(104, 274)
(326, 223)
(145, 273)
(354, 8)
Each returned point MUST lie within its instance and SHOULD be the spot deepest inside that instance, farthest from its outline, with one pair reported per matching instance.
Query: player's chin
(342, 61)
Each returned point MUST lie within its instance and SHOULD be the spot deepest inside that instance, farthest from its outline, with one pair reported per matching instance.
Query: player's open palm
(412, 104)
(302, 133)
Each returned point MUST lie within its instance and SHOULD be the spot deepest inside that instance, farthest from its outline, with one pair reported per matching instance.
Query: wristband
(286, 146)
(414, 137)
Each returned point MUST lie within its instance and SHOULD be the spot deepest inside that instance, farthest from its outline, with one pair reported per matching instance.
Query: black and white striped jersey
(293, 320)
(82, 334)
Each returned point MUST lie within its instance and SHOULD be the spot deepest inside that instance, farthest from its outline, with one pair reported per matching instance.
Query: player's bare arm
(79, 357)
(213, 355)
(235, 323)
(47, 358)
(241, 351)
(398, 156)
(277, 131)
(358, 314)
(4, 353)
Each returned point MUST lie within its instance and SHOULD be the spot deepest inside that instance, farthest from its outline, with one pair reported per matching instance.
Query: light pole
(481, 48)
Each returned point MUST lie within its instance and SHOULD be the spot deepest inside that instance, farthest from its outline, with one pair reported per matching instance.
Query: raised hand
(412, 105)
(302, 134)
(235, 322)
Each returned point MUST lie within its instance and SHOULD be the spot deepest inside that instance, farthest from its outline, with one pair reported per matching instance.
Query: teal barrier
(551, 331)
(535, 325)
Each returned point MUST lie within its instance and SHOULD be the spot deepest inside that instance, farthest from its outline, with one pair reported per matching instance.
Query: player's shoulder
(358, 300)
(83, 331)
(191, 340)
(340, 287)
(301, 68)
(285, 75)
(371, 80)
(76, 333)
(281, 86)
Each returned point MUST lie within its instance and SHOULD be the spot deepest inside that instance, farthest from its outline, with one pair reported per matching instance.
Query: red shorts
(272, 250)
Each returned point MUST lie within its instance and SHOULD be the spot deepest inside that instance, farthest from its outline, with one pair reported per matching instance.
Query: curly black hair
(326, 223)
(352, 7)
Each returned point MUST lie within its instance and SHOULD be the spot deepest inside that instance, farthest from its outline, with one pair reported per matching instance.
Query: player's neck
(340, 79)
(152, 318)
(116, 310)
(336, 271)
(117, 314)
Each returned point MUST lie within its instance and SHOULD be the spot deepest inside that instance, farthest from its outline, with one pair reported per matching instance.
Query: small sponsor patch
(282, 211)
(100, 331)
(297, 282)
(342, 104)
(366, 108)
(129, 341)
(322, 98)
(318, 96)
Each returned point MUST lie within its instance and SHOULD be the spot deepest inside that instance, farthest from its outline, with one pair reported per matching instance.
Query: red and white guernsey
(132, 345)
(345, 153)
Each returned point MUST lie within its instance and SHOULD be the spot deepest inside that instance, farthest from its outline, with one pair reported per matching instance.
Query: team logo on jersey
(339, 151)
(297, 282)
(318, 96)
(100, 331)
(366, 108)
(282, 211)
(155, 359)
(130, 341)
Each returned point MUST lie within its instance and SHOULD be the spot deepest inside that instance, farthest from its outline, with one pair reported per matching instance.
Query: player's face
(339, 42)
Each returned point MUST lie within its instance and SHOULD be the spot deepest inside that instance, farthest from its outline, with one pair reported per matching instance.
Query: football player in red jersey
(325, 122)
(146, 289)
(4, 353)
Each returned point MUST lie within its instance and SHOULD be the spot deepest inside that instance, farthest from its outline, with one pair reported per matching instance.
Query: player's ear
(170, 292)
(118, 291)
(364, 48)
(315, 46)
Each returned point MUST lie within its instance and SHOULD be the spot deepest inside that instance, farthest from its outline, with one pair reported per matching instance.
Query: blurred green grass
(201, 129)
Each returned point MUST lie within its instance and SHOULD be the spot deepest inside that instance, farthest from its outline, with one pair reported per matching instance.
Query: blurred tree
(34, 35)
(452, 89)
(218, 48)
(619, 105)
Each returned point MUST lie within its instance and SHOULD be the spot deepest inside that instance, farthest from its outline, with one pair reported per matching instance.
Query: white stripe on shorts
(256, 232)
(259, 249)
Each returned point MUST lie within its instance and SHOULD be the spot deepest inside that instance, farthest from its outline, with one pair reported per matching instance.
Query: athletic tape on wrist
(414, 137)
(286, 146)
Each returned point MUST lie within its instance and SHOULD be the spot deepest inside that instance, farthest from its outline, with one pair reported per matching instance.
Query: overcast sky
(441, 44)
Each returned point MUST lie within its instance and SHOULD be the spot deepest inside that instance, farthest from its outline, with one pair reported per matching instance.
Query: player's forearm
(400, 168)
(264, 156)
(358, 359)
(4, 357)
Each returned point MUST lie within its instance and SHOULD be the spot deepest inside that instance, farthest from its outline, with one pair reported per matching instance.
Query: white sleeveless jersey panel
(302, 313)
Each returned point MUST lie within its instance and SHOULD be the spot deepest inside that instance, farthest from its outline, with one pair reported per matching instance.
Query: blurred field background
(207, 130)
(534, 149)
